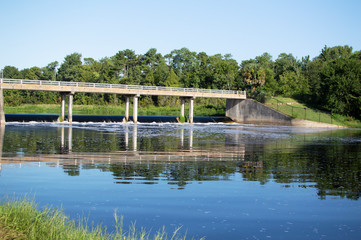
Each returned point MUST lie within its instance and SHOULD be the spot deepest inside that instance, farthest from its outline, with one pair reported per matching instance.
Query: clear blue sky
(37, 32)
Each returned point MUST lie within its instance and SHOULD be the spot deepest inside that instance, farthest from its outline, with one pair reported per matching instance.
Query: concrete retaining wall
(249, 111)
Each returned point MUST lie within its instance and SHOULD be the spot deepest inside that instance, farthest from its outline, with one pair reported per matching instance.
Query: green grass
(199, 110)
(21, 219)
(295, 109)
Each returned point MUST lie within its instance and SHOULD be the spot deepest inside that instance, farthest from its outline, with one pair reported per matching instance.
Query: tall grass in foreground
(20, 219)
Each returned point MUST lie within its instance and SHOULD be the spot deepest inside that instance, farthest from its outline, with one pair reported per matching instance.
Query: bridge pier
(191, 100)
(70, 108)
(182, 107)
(126, 115)
(191, 103)
(62, 108)
(135, 108)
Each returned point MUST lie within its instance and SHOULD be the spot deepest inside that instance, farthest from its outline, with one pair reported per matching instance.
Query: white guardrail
(121, 86)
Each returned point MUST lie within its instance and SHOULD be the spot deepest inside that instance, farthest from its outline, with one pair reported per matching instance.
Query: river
(215, 180)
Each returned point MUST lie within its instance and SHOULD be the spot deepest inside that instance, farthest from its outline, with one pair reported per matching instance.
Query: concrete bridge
(68, 89)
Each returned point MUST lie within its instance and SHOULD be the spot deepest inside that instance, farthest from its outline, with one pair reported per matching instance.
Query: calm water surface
(219, 181)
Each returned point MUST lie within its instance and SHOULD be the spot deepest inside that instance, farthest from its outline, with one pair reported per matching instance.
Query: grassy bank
(288, 106)
(295, 109)
(199, 110)
(20, 219)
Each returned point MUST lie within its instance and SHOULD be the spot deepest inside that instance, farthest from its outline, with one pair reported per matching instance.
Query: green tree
(33, 73)
(161, 73)
(69, 69)
(292, 84)
(11, 72)
(171, 81)
(333, 53)
(286, 63)
(258, 74)
(124, 64)
(182, 62)
(341, 86)
(49, 72)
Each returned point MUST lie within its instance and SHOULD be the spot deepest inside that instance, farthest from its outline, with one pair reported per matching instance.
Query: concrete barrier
(249, 111)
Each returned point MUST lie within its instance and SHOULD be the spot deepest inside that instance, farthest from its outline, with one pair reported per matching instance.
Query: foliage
(330, 81)
(341, 86)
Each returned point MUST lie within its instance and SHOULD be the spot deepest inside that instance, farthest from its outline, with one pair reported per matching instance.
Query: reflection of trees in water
(334, 168)
(339, 171)
(72, 170)
(179, 173)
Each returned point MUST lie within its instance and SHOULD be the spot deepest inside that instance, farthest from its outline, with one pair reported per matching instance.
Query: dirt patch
(312, 124)
(7, 233)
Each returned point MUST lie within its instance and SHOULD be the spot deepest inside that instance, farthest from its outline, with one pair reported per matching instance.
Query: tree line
(330, 81)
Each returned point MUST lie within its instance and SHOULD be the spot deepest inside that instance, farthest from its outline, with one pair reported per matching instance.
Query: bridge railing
(122, 86)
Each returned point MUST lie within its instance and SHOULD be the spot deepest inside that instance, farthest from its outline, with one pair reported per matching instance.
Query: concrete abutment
(250, 111)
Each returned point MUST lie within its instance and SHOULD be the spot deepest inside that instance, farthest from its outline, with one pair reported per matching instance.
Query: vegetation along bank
(330, 82)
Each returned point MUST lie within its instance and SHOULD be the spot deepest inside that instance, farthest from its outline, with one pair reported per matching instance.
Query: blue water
(221, 181)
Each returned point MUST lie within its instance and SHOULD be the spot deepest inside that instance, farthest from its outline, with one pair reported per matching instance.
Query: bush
(260, 96)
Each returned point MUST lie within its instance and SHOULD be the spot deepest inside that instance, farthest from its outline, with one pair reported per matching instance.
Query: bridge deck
(73, 87)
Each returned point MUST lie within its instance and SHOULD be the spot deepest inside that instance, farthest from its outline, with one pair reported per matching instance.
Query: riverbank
(200, 110)
(287, 106)
(21, 219)
(299, 111)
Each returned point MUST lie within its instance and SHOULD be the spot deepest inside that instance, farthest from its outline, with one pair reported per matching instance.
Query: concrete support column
(191, 100)
(70, 108)
(2, 113)
(126, 109)
(62, 108)
(182, 107)
(135, 109)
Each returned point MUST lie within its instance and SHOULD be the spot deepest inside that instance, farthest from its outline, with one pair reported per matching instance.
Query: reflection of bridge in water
(131, 154)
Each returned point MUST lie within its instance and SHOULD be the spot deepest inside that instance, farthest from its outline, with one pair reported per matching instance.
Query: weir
(134, 91)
